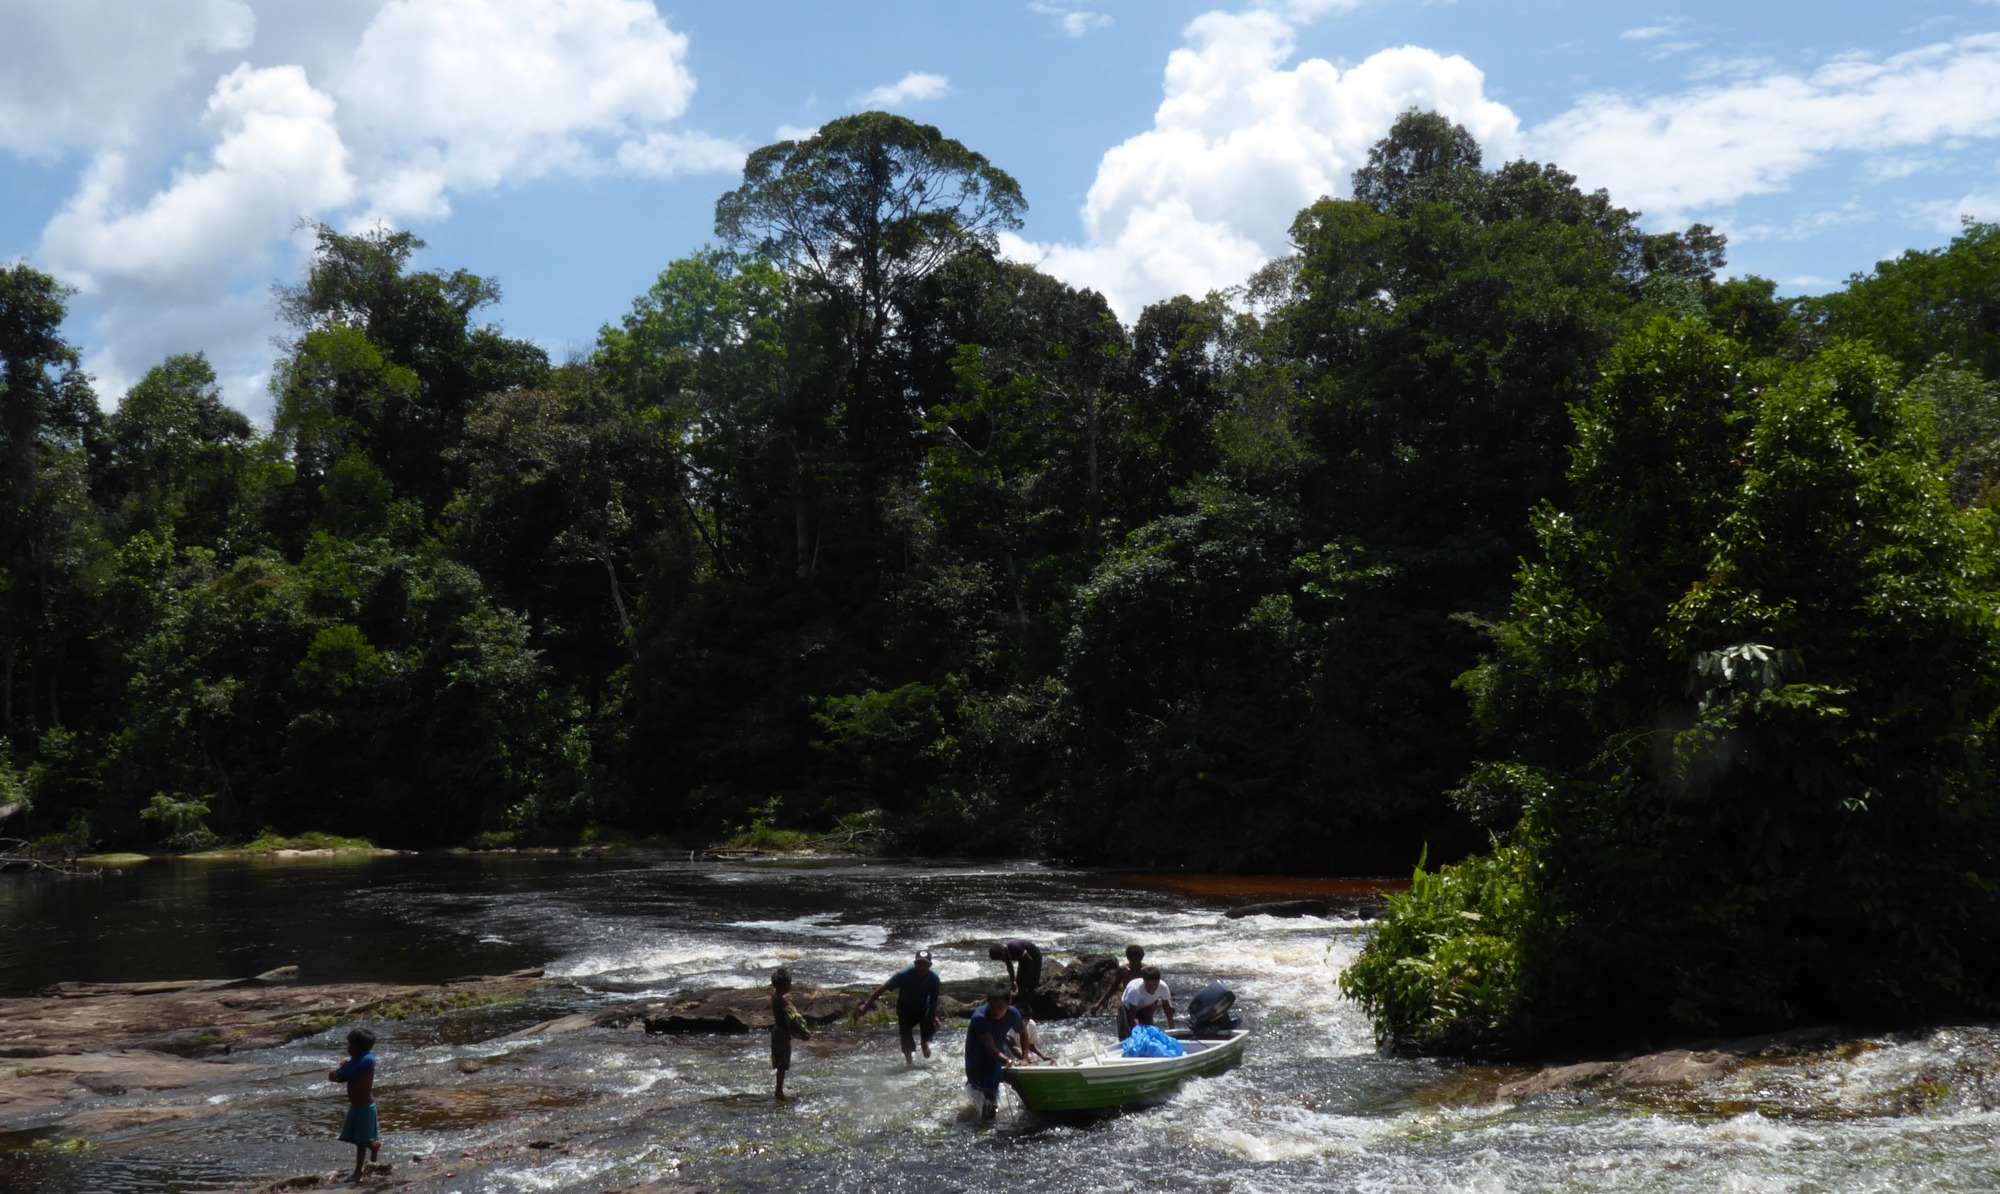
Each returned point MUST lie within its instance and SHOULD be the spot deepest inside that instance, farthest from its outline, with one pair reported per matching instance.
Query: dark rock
(1069, 993)
(1065, 993)
(1284, 908)
(737, 1009)
(1563, 1077)
(960, 998)
(1675, 1067)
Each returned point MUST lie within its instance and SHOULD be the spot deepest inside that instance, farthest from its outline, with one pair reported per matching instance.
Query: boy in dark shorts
(916, 987)
(361, 1128)
(786, 1023)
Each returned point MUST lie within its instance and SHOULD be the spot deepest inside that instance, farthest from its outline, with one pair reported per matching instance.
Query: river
(1313, 1107)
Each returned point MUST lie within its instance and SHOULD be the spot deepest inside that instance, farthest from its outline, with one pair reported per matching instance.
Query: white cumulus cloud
(463, 95)
(78, 73)
(277, 155)
(1240, 142)
(1073, 20)
(912, 88)
(1681, 154)
(186, 211)
(188, 267)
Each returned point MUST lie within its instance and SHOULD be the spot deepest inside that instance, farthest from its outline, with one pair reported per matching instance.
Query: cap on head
(1134, 952)
(923, 957)
(1150, 972)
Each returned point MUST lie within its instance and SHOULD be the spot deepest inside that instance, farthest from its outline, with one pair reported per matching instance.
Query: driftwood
(16, 854)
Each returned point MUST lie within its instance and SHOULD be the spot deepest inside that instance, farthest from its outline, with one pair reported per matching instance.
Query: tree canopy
(1658, 608)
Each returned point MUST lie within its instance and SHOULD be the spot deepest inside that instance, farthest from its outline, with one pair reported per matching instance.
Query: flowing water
(1313, 1107)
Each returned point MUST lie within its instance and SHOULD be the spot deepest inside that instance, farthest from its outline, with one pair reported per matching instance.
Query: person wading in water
(916, 987)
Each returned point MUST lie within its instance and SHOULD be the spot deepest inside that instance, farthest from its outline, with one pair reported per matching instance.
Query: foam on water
(1314, 1105)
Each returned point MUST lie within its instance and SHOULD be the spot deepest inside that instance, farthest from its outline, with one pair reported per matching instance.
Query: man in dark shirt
(916, 987)
(1024, 970)
(986, 1047)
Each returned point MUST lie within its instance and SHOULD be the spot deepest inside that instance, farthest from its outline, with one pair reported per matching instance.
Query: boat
(1113, 1080)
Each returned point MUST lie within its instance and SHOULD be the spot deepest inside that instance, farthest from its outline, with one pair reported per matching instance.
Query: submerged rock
(1666, 1069)
(1283, 908)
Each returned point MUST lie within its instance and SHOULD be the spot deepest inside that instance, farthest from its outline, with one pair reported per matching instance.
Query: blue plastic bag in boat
(1148, 1041)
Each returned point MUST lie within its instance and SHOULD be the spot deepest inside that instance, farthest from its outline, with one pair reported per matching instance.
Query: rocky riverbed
(522, 1082)
(105, 1062)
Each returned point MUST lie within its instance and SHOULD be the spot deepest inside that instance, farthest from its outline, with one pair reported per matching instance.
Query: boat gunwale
(1058, 1086)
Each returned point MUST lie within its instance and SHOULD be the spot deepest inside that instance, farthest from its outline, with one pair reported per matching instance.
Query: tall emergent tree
(862, 212)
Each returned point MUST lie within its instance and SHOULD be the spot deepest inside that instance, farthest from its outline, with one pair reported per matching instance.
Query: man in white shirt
(1142, 996)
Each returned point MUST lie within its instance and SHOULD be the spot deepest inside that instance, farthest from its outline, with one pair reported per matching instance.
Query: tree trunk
(617, 600)
(1090, 487)
(1014, 589)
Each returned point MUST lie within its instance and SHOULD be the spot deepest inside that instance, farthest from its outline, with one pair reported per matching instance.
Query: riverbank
(771, 844)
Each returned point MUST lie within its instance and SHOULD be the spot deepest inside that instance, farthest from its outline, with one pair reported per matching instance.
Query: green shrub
(1446, 969)
(270, 842)
(181, 824)
(763, 834)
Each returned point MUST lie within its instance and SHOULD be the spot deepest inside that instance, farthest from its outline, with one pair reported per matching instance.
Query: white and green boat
(1113, 1080)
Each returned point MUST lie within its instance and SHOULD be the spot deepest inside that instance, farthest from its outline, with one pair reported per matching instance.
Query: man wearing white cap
(916, 987)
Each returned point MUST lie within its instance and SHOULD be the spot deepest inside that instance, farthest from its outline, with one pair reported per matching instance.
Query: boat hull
(1114, 1081)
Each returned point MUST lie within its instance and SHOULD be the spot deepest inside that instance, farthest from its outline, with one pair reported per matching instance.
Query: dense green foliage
(1742, 717)
(849, 524)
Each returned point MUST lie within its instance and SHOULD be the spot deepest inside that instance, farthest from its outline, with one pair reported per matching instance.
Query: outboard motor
(1209, 1014)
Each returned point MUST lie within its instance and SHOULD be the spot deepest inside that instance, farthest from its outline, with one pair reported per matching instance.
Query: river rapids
(1314, 1106)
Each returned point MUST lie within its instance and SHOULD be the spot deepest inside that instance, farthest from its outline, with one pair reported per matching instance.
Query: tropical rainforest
(1487, 523)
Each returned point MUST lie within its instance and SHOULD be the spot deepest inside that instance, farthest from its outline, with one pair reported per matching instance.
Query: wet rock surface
(206, 1018)
(1743, 1074)
(733, 1009)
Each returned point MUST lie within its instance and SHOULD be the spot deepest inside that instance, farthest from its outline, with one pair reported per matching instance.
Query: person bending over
(1024, 970)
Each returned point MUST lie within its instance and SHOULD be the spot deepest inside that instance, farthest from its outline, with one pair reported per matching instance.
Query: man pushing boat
(987, 1048)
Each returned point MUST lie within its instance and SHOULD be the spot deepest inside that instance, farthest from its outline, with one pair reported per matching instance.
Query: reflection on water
(1312, 1107)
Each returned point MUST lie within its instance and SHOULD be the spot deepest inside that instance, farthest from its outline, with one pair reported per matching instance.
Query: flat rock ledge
(1664, 1070)
(79, 1039)
(204, 1018)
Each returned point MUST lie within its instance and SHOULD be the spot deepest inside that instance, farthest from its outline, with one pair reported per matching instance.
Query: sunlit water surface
(1314, 1106)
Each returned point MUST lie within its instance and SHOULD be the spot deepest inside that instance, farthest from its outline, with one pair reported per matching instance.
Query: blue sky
(159, 154)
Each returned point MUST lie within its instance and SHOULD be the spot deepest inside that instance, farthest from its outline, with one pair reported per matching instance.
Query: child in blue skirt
(360, 1128)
